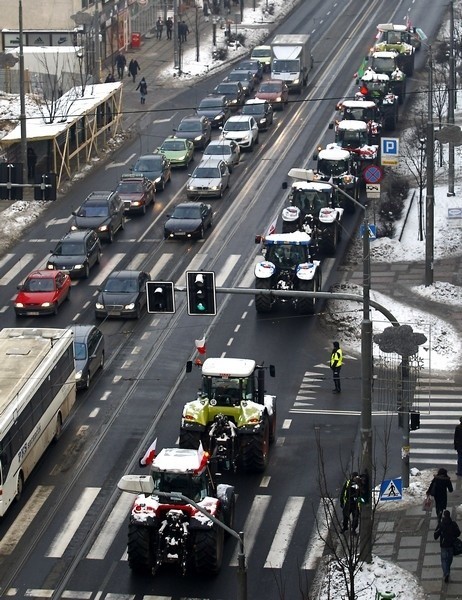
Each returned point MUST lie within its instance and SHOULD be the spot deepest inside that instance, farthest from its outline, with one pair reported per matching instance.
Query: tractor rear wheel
(208, 550)
(139, 552)
(263, 302)
(307, 306)
(255, 449)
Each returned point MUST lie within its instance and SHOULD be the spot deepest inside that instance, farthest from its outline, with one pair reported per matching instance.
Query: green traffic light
(201, 307)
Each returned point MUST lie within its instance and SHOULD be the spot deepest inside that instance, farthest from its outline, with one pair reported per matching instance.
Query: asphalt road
(66, 550)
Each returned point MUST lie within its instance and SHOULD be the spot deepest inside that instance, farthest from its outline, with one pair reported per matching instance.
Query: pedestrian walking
(120, 62)
(183, 31)
(143, 87)
(31, 162)
(159, 28)
(350, 498)
(447, 532)
(169, 28)
(133, 69)
(336, 362)
(458, 446)
(110, 78)
(439, 488)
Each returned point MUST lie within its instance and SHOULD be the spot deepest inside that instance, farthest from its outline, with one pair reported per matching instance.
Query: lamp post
(366, 368)
(97, 72)
(421, 182)
(22, 100)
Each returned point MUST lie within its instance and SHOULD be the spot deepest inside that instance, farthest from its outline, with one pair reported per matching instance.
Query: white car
(209, 178)
(243, 130)
(227, 150)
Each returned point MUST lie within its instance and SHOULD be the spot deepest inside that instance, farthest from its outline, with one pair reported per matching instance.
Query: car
(215, 108)
(189, 220)
(210, 178)
(42, 293)
(261, 111)
(263, 54)
(104, 212)
(196, 128)
(179, 151)
(253, 66)
(227, 150)
(89, 353)
(155, 167)
(123, 295)
(234, 91)
(76, 253)
(246, 78)
(275, 91)
(137, 193)
(243, 130)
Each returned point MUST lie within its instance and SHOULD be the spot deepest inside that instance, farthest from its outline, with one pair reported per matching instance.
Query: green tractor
(233, 418)
(398, 38)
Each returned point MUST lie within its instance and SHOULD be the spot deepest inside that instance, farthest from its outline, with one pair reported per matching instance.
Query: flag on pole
(202, 457)
(272, 227)
(200, 346)
(149, 456)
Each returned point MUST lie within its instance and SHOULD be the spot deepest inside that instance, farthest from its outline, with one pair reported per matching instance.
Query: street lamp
(421, 182)
(366, 367)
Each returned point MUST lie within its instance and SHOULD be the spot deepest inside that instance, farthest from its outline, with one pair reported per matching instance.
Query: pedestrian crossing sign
(391, 489)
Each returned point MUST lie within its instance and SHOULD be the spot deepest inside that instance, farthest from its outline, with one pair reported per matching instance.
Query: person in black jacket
(458, 446)
(439, 488)
(350, 498)
(447, 532)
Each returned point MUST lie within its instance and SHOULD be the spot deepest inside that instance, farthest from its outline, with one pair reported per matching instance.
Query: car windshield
(270, 88)
(285, 65)
(39, 285)
(332, 167)
(211, 103)
(130, 187)
(190, 126)
(69, 249)
(253, 109)
(173, 145)
(80, 350)
(236, 126)
(262, 53)
(247, 66)
(121, 285)
(192, 486)
(239, 76)
(206, 172)
(227, 88)
(93, 210)
(187, 212)
(151, 164)
(218, 150)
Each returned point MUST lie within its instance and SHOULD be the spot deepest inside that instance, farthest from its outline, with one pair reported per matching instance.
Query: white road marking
(265, 481)
(24, 519)
(159, 264)
(111, 527)
(72, 523)
(286, 423)
(227, 268)
(107, 269)
(136, 262)
(316, 544)
(284, 532)
(6, 259)
(194, 265)
(122, 163)
(17, 268)
(252, 525)
(94, 413)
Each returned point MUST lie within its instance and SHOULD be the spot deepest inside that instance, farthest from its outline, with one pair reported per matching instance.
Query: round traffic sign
(373, 174)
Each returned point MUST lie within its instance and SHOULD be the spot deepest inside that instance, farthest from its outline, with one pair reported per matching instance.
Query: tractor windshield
(227, 391)
(351, 138)
(333, 168)
(286, 257)
(384, 65)
(359, 114)
(192, 486)
(310, 201)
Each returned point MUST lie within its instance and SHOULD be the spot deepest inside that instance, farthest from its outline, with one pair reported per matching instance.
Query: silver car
(209, 178)
(227, 150)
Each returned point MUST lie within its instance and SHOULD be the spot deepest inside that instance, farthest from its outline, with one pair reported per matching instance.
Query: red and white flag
(200, 346)
(272, 227)
(202, 457)
(150, 455)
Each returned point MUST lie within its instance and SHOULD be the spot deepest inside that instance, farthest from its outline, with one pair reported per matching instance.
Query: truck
(165, 529)
(232, 417)
(287, 264)
(292, 60)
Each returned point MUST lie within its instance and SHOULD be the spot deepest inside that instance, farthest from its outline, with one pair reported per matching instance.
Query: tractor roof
(228, 367)
(297, 238)
(333, 152)
(356, 104)
(178, 460)
(312, 185)
(391, 27)
(385, 54)
(351, 125)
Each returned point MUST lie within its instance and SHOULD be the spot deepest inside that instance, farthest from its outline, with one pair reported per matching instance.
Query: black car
(246, 79)
(156, 168)
(88, 353)
(189, 220)
(261, 111)
(253, 66)
(123, 295)
(76, 253)
(215, 108)
(195, 128)
(234, 91)
(103, 212)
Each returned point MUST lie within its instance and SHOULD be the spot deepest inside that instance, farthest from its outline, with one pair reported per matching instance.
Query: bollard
(384, 595)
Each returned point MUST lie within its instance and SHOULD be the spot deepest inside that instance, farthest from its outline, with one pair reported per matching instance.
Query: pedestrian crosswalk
(439, 403)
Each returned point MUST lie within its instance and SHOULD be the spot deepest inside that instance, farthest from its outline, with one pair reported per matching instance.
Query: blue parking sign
(390, 146)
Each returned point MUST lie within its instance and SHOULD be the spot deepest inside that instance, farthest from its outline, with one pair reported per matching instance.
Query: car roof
(127, 274)
(81, 332)
(188, 204)
(99, 195)
(193, 118)
(43, 274)
(210, 161)
(79, 234)
(174, 137)
(154, 155)
(221, 143)
(229, 83)
(221, 97)
(273, 81)
(239, 118)
(254, 101)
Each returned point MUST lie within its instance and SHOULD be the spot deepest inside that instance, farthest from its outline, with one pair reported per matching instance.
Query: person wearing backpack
(439, 488)
(447, 532)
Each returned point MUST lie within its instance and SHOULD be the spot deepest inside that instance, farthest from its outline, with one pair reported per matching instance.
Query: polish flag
(149, 456)
(202, 457)
(272, 227)
(200, 346)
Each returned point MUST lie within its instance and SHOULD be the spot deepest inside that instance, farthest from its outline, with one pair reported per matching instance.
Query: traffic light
(415, 420)
(45, 186)
(160, 297)
(200, 286)
(10, 173)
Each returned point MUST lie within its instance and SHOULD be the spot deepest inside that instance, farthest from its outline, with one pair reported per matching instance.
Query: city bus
(37, 392)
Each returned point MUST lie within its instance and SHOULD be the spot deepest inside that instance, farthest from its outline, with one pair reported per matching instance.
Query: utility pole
(22, 100)
(176, 37)
(430, 198)
(96, 27)
(451, 94)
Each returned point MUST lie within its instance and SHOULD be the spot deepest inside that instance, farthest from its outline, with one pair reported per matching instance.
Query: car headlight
(262, 120)
(74, 228)
(130, 306)
(99, 306)
(198, 138)
(296, 81)
(78, 375)
(218, 117)
(278, 99)
(103, 227)
(77, 267)
(50, 266)
(215, 188)
(234, 101)
(158, 179)
(136, 203)
(46, 304)
(19, 305)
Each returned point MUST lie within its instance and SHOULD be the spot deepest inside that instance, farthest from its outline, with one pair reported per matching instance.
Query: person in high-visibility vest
(336, 362)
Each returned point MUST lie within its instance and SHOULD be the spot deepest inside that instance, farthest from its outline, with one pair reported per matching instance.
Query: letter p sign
(390, 146)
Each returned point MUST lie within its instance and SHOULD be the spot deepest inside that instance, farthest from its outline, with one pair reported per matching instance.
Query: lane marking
(284, 532)
(252, 525)
(16, 269)
(111, 528)
(316, 542)
(108, 268)
(226, 270)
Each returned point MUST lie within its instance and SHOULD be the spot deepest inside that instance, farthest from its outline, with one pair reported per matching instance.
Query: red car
(275, 91)
(42, 292)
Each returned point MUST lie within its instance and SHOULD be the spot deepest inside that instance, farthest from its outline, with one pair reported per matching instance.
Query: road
(67, 536)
